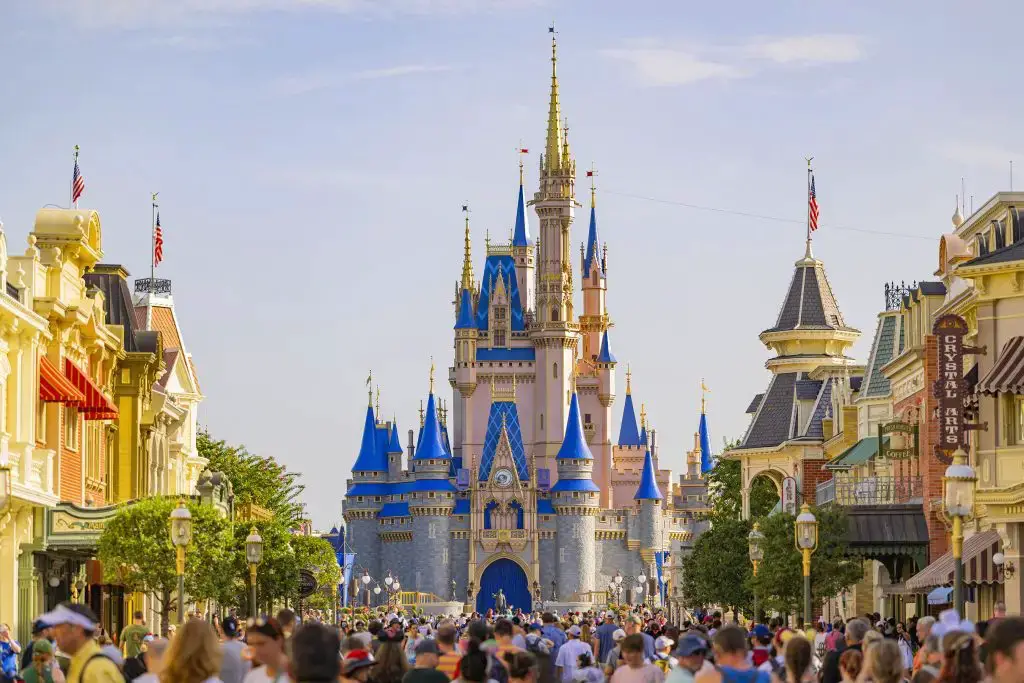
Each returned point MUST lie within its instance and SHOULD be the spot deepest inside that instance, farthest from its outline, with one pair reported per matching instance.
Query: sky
(312, 158)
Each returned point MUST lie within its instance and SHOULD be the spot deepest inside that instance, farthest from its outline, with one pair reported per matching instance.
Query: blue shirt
(556, 636)
(648, 646)
(605, 643)
(8, 660)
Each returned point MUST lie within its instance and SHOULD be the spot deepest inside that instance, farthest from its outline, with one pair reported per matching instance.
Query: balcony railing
(847, 490)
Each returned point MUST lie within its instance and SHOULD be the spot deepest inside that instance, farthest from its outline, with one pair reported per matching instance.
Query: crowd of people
(638, 646)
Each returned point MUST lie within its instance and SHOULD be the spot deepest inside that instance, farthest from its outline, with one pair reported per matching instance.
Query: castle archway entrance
(509, 576)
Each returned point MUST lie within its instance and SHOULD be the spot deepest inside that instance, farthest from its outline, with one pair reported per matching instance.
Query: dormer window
(999, 230)
(982, 239)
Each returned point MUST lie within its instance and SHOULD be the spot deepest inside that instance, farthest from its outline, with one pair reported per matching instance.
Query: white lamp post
(806, 530)
(181, 536)
(958, 499)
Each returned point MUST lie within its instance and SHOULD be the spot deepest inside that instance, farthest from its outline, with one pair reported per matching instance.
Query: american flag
(158, 243)
(77, 182)
(812, 207)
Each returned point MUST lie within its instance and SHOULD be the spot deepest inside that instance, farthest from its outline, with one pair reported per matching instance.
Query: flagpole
(808, 203)
(71, 189)
(152, 263)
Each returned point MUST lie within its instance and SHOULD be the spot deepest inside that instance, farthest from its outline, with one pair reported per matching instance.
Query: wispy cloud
(134, 14)
(978, 154)
(325, 79)
(657, 65)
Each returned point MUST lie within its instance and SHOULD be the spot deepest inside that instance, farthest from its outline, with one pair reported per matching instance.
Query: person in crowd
(266, 641)
(856, 629)
(637, 667)
(798, 656)
(883, 662)
(614, 659)
(850, 664)
(448, 662)
(587, 670)
(359, 631)
(1005, 643)
(762, 645)
(110, 651)
(132, 635)
(233, 666)
(314, 655)
(286, 618)
(522, 667)
(551, 631)
(538, 646)
(413, 637)
(43, 668)
(922, 630)
(503, 635)
(832, 638)
(475, 664)
(633, 626)
(662, 654)
(602, 640)
(930, 658)
(74, 628)
(39, 632)
(153, 651)
(691, 658)
(960, 663)
(425, 667)
(193, 656)
(356, 666)
(568, 655)
(391, 662)
(9, 651)
(730, 648)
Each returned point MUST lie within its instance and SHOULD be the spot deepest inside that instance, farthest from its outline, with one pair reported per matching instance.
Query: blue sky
(312, 157)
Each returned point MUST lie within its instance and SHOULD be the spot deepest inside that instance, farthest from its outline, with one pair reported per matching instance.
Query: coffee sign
(950, 386)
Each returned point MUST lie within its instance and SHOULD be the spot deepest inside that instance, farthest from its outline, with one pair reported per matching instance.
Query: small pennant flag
(590, 174)
(158, 243)
(523, 150)
(77, 180)
(812, 206)
(369, 379)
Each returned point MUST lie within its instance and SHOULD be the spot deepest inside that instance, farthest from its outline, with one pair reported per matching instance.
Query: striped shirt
(448, 663)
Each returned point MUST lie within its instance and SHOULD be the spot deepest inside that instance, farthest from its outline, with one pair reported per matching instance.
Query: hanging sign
(950, 387)
(789, 496)
(307, 583)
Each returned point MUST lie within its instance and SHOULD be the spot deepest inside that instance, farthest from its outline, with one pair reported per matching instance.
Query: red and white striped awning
(54, 387)
(1007, 375)
(96, 406)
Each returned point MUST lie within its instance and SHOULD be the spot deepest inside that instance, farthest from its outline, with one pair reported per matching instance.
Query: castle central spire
(467, 257)
(556, 143)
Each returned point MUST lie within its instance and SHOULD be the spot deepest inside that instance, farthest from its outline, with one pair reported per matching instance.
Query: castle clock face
(503, 477)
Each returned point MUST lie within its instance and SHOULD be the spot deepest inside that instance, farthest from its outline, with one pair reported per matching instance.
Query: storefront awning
(96, 406)
(54, 387)
(1007, 375)
(939, 596)
(977, 559)
(857, 454)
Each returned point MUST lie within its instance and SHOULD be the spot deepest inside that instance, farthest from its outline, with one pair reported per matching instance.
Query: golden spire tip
(629, 380)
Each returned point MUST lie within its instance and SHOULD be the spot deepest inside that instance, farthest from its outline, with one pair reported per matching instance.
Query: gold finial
(431, 374)
(573, 382)
(369, 388)
(467, 258)
(422, 418)
(592, 174)
(378, 402)
(704, 391)
(553, 146)
(487, 241)
(643, 415)
(629, 380)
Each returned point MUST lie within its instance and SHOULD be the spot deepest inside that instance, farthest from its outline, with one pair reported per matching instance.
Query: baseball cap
(427, 646)
(230, 627)
(618, 635)
(661, 642)
(70, 613)
(761, 631)
(357, 659)
(575, 631)
(42, 647)
(691, 644)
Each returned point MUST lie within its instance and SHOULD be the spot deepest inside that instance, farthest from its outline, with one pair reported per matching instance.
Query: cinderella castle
(529, 492)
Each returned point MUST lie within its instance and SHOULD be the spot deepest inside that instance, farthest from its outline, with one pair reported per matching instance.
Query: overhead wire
(764, 217)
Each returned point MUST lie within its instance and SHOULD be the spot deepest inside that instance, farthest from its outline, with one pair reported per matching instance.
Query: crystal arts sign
(950, 386)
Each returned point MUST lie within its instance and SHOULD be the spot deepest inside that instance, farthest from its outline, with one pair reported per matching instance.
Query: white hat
(618, 635)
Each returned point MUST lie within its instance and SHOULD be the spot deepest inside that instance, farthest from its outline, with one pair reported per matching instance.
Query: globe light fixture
(806, 531)
(181, 536)
(958, 486)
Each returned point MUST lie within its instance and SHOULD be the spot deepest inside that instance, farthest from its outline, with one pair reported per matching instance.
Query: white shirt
(567, 657)
(260, 675)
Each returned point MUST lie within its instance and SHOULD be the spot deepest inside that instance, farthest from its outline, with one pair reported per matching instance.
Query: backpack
(662, 662)
(99, 655)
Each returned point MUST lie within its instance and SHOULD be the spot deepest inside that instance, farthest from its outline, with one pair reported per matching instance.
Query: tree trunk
(165, 609)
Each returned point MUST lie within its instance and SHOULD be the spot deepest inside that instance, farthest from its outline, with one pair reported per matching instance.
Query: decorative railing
(504, 534)
(146, 285)
(894, 294)
(882, 490)
(416, 598)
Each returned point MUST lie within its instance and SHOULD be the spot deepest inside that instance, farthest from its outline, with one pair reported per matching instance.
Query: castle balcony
(850, 490)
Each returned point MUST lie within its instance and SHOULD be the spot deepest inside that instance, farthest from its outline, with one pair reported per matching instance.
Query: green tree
(255, 479)
(779, 580)
(277, 576)
(718, 570)
(726, 491)
(317, 555)
(136, 551)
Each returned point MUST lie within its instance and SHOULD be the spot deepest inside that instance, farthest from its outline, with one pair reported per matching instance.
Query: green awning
(857, 454)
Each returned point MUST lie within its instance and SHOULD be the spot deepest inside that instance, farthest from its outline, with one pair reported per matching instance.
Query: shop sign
(789, 496)
(307, 583)
(903, 440)
(68, 524)
(950, 387)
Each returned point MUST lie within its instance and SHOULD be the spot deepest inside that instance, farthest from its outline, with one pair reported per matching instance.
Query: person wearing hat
(761, 638)
(265, 638)
(691, 658)
(614, 659)
(356, 666)
(662, 659)
(73, 627)
(43, 668)
(567, 659)
(233, 666)
(425, 667)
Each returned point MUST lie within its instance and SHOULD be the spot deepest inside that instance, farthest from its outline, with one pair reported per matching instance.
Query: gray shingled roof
(754, 404)
(932, 288)
(772, 422)
(809, 303)
(807, 389)
(813, 428)
(883, 350)
(117, 300)
(1012, 252)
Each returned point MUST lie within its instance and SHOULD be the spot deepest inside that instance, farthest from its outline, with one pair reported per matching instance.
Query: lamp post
(641, 584)
(806, 531)
(756, 552)
(366, 585)
(393, 587)
(181, 536)
(253, 555)
(958, 498)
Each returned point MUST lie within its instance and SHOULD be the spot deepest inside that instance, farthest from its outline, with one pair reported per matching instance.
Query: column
(29, 588)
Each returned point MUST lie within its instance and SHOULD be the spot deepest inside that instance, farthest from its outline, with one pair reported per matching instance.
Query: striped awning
(96, 406)
(54, 387)
(1007, 375)
(978, 565)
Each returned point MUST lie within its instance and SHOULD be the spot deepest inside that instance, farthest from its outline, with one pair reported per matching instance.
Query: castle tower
(555, 334)
(648, 495)
(604, 365)
(431, 501)
(523, 249)
(576, 502)
(358, 508)
(394, 453)
(595, 321)
(466, 339)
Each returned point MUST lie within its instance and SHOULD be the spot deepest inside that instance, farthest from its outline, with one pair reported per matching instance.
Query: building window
(982, 244)
(41, 422)
(542, 422)
(999, 229)
(561, 555)
(71, 428)
(554, 314)
(554, 370)
(500, 313)
(499, 338)
(432, 530)
(586, 418)
(1015, 421)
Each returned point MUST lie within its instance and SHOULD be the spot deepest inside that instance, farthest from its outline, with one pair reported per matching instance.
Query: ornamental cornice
(546, 534)
(396, 536)
(609, 535)
(680, 535)
(351, 515)
(460, 535)
(434, 510)
(576, 509)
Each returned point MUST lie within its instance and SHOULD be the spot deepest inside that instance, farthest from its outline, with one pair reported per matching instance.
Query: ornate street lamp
(958, 499)
(756, 552)
(253, 555)
(181, 536)
(806, 531)
(366, 585)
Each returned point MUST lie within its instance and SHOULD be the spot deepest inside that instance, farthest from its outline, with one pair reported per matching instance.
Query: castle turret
(365, 490)
(604, 365)
(629, 434)
(523, 248)
(576, 502)
(649, 497)
(431, 500)
(394, 453)
(466, 339)
(595, 321)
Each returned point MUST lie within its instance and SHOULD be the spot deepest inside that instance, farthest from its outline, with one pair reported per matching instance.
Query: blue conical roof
(370, 456)
(629, 435)
(648, 489)
(706, 458)
(606, 352)
(431, 447)
(521, 234)
(395, 446)
(465, 320)
(593, 246)
(574, 445)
